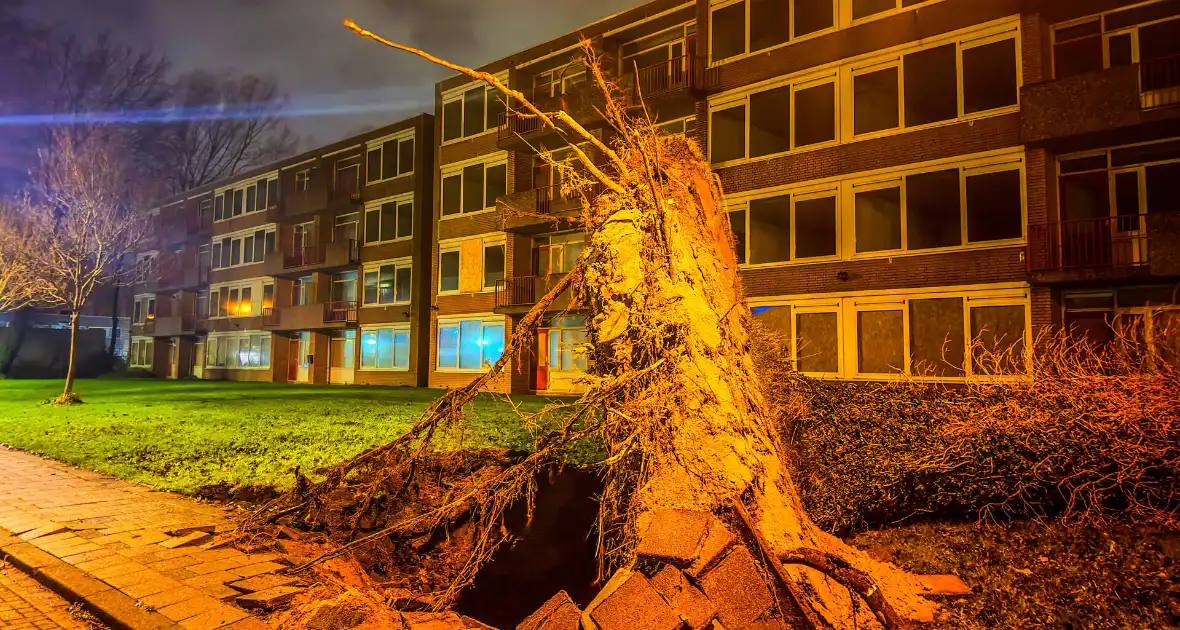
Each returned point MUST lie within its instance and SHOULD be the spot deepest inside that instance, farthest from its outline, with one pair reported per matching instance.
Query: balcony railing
(547, 197)
(1107, 242)
(513, 124)
(270, 316)
(310, 255)
(340, 312)
(350, 192)
(1159, 82)
(518, 291)
(687, 72)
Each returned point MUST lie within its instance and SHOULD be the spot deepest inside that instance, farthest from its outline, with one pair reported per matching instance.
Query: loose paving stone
(687, 600)
(189, 607)
(674, 536)
(270, 597)
(558, 613)
(214, 618)
(262, 582)
(736, 588)
(635, 605)
(185, 539)
(717, 542)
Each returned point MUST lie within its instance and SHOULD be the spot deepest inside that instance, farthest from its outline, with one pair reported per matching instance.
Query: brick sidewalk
(25, 604)
(130, 545)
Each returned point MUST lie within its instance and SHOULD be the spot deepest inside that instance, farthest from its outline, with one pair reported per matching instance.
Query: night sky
(315, 60)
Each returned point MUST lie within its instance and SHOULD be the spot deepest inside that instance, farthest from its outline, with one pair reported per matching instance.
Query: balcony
(521, 132)
(317, 257)
(1088, 249)
(535, 210)
(688, 76)
(517, 295)
(174, 326)
(327, 315)
(1107, 101)
(175, 277)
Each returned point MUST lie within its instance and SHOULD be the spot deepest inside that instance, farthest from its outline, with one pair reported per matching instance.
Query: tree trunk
(68, 392)
(665, 284)
(114, 323)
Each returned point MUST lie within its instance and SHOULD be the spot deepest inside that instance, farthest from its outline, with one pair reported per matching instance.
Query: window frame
(1103, 34)
(146, 346)
(793, 84)
(376, 206)
(270, 183)
(456, 169)
(796, 195)
(395, 329)
(217, 245)
(456, 94)
(378, 146)
(716, 5)
(456, 323)
(406, 262)
(218, 346)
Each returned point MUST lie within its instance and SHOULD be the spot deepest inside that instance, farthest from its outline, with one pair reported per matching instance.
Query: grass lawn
(180, 435)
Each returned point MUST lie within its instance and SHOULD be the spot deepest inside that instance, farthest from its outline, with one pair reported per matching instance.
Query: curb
(117, 610)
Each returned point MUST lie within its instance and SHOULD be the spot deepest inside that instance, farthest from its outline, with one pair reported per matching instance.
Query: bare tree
(16, 279)
(225, 124)
(87, 216)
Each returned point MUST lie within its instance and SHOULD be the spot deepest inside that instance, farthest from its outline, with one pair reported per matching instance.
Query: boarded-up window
(1166, 335)
(727, 137)
(937, 338)
(994, 208)
(817, 346)
(998, 339)
(728, 31)
(875, 101)
(770, 229)
(880, 341)
(815, 227)
(770, 121)
(989, 76)
(931, 86)
(878, 220)
(815, 114)
(933, 218)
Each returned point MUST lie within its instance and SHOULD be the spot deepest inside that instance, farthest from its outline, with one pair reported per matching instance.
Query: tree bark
(114, 318)
(68, 392)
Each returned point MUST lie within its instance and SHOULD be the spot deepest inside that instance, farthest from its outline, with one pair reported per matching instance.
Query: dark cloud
(317, 61)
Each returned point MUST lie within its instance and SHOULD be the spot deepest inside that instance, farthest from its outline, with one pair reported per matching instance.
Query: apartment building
(904, 177)
(301, 271)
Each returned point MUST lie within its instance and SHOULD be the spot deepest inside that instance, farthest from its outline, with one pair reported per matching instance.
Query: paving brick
(189, 607)
(68, 579)
(218, 565)
(263, 582)
(736, 588)
(121, 611)
(674, 536)
(186, 539)
(184, 530)
(214, 618)
(127, 579)
(270, 597)
(687, 600)
(87, 556)
(126, 567)
(174, 563)
(211, 579)
(635, 605)
(151, 587)
(169, 597)
(259, 568)
(558, 613)
(718, 540)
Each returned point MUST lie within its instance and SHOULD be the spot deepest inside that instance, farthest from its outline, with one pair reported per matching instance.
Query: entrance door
(541, 375)
(293, 361)
(1128, 238)
(303, 356)
(342, 358)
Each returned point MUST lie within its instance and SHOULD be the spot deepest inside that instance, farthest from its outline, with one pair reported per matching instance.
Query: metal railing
(514, 124)
(270, 316)
(1106, 242)
(547, 196)
(687, 72)
(518, 291)
(1159, 82)
(317, 254)
(338, 312)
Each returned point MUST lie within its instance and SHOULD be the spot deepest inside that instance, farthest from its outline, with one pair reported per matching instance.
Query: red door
(541, 377)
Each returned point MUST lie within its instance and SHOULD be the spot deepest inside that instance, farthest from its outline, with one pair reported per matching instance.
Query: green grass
(180, 435)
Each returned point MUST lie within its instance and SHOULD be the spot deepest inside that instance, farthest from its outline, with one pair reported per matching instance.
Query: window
(747, 26)
(385, 348)
(683, 127)
(770, 230)
(303, 180)
(931, 90)
(473, 188)
(876, 105)
(1121, 37)
(389, 220)
(387, 283)
(448, 271)
(390, 158)
(994, 206)
(567, 344)
(559, 81)
(663, 48)
(878, 219)
(493, 265)
(470, 344)
(786, 227)
(146, 268)
(239, 351)
(143, 309)
(937, 338)
(880, 338)
(999, 334)
(817, 342)
(302, 291)
(762, 123)
(865, 8)
(142, 353)
(243, 248)
(988, 79)
(238, 300)
(557, 253)
(255, 196)
(472, 112)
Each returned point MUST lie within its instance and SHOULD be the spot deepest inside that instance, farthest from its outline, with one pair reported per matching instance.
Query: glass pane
(402, 285)
(815, 115)
(994, 207)
(251, 199)
(370, 287)
(777, 321)
(729, 31)
(448, 346)
(1157, 41)
(385, 287)
(473, 111)
(496, 184)
(389, 159)
(470, 344)
(473, 190)
(770, 23)
(259, 246)
(493, 343)
(933, 216)
(997, 333)
(931, 86)
(880, 341)
(388, 221)
(865, 8)
(878, 220)
(1085, 196)
(817, 346)
(1162, 192)
(385, 348)
(1077, 57)
(496, 108)
(405, 220)
(770, 229)
(813, 15)
(727, 138)
(255, 350)
(737, 220)
(401, 350)
(770, 122)
(875, 101)
(373, 166)
(405, 159)
(235, 249)
(453, 120)
(815, 227)
(938, 345)
(448, 264)
(989, 76)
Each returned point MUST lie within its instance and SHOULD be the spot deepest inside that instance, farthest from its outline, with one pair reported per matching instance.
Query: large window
(950, 334)
(786, 227)
(567, 344)
(243, 300)
(469, 344)
(1136, 34)
(389, 220)
(142, 353)
(472, 112)
(473, 187)
(557, 253)
(774, 120)
(388, 282)
(472, 265)
(243, 248)
(747, 26)
(255, 196)
(390, 158)
(661, 48)
(385, 348)
(239, 351)
(558, 81)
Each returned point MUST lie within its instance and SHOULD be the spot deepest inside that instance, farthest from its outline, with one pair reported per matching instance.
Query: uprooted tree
(674, 397)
